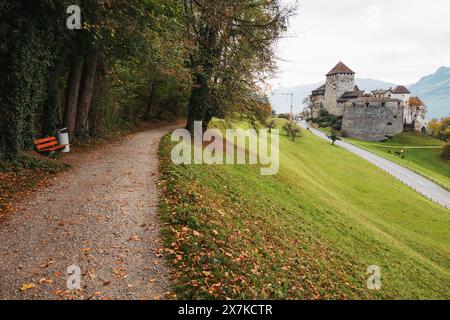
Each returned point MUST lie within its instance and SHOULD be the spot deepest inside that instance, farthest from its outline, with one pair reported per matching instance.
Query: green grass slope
(421, 155)
(310, 232)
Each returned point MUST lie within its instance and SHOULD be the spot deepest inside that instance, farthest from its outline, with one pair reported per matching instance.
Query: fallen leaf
(27, 286)
(44, 280)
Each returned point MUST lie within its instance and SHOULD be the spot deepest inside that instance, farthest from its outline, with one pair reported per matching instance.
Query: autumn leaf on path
(27, 286)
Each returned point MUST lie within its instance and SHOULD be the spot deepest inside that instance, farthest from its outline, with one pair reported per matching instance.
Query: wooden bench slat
(60, 146)
(44, 140)
(46, 145)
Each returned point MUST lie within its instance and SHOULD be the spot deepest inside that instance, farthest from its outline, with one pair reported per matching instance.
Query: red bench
(49, 144)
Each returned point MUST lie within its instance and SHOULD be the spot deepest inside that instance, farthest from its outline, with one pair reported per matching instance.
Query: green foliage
(30, 47)
(333, 137)
(440, 129)
(138, 42)
(26, 162)
(292, 130)
(445, 152)
(326, 119)
(232, 53)
(271, 124)
(285, 116)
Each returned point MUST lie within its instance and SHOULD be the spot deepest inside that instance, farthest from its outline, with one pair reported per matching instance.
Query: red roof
(340, 68)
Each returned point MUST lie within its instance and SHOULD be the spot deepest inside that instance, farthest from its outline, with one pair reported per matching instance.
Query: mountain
(434, 90)
(282, 103)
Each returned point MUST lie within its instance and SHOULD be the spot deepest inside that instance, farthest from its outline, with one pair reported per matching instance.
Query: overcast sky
(392, 40)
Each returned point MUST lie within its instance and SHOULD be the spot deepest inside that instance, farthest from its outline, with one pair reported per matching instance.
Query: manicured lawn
(309, 232)
(421, 154)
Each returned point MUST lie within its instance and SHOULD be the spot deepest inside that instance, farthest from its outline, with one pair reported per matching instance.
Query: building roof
(374, 99)
(320, 91)
(350, 95)
(356, 88)
(340, 68)
(381, 91)
(401, 90)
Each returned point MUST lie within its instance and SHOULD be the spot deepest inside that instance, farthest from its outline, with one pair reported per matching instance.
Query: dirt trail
(100, 216)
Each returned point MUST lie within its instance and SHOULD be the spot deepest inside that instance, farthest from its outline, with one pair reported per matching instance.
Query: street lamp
(292, 102)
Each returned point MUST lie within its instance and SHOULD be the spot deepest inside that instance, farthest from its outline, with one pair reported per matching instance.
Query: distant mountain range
(434, 90)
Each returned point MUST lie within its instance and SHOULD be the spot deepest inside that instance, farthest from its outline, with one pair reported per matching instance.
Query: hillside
(310, 232)
(434, 90)
(282, 103)
(421, 154)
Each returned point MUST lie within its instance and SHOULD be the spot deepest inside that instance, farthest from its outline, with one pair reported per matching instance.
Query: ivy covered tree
(92, 79)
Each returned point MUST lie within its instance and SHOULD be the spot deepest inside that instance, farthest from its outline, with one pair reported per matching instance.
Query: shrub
(271, 124)
(445, 152)
(292, 130)
(326, 119)
(284, 116)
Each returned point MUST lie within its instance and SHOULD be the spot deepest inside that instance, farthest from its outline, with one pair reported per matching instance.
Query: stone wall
(317, 103)
(336, 86)
(372, 121)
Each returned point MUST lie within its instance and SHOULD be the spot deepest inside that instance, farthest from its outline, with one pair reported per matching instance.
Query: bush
(445, 152)
(292, 130)
(284, 116)
(326, 119)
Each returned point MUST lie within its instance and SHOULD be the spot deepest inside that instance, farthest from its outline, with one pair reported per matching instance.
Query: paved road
(413, 180)
(100, 216)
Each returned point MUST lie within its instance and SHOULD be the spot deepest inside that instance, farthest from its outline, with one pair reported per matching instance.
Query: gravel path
(100, 216)
(420, 184)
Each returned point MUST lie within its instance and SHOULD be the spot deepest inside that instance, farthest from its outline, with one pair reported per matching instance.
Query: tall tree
(234, 52)
(86, 94)
(73, 89)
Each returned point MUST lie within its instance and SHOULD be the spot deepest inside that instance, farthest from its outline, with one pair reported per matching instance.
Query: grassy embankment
(309, 232)
(421, 154)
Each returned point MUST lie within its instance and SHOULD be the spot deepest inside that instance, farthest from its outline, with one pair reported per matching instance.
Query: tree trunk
(198, 102)
(87, 89)
(72, 94)
(98, 104)
(149, 111)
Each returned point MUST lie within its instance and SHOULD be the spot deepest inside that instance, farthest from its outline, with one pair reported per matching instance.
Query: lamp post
(291, 116)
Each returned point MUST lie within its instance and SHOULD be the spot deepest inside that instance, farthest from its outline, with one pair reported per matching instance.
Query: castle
(371, 116)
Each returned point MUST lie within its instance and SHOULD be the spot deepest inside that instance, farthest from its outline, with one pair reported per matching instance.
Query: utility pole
(291, 116)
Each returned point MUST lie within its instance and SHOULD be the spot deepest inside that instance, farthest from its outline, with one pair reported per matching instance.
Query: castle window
(367, 104)
(395, 117)
(383, 104)
(389, 123)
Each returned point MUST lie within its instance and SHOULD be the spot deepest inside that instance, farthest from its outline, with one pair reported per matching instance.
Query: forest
(131, 61)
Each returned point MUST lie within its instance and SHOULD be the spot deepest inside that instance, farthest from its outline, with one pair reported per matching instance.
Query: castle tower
(340, 79)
